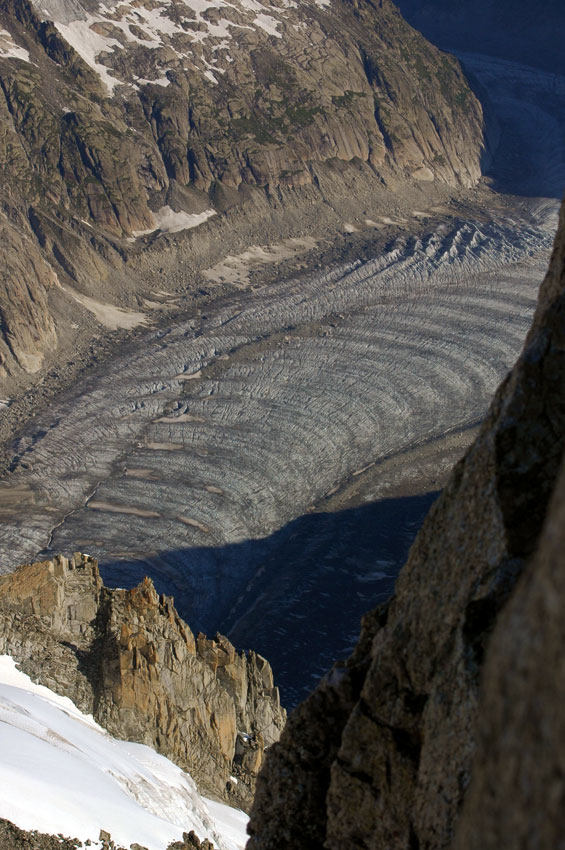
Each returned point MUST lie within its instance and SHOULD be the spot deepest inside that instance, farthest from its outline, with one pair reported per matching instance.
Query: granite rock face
(28, 329)
(128, 658)
(387, 762)
(112, 112)
(517, 789)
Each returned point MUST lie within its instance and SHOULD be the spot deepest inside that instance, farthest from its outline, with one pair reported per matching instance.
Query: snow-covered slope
(9, 49)
(60, 772)
(195, 31)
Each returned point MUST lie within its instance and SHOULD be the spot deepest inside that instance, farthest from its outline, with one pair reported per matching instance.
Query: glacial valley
(253, 459)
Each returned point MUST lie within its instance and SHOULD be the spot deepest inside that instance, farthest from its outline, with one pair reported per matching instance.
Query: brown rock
(517, 790)
(28, 330)
(128, 658)
(190, 841)
(13, 838)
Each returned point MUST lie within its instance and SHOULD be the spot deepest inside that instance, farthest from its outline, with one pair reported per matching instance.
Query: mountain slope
(63, 774)
(381, 754)
(115, 117)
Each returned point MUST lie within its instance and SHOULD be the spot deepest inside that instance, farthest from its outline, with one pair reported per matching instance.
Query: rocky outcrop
(112, 113)
(190, 841)
(128, 658)
(381, 754)
(27, 329)
(516, 795)
(13, 838)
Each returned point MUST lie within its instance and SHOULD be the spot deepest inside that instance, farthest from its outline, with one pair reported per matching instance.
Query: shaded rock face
(127, 658)
(27, 327)
(513, 29)
(168, 105)
(517, 788)
(386, 761)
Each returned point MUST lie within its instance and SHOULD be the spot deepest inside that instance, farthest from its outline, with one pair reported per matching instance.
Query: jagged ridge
(127, 658)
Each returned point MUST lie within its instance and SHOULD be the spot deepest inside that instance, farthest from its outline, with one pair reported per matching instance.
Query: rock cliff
(517, 790)
(127, 658)
(382, 753)
(116, 117)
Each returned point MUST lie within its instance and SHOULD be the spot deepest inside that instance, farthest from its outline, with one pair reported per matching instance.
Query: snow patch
(9, 49)
(169, 221)
(232, 822)
(62, 773)
(235, 269)
(108, 314)
(89, 45)
(269, 24)
(162, 81)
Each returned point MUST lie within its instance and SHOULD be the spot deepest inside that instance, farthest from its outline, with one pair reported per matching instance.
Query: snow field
(9, 49)
(169, 221)
(62, 773)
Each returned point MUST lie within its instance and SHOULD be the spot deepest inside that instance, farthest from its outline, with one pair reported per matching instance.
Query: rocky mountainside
(129, 660)
(121, 120)
(514, 29)
(382, 753)
(12, 838)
